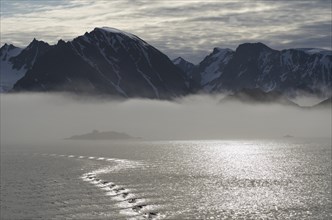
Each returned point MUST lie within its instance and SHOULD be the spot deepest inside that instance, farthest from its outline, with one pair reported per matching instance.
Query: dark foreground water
(247, 179)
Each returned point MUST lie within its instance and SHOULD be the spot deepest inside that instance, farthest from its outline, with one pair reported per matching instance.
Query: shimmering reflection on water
(254, 179)
(248, 179)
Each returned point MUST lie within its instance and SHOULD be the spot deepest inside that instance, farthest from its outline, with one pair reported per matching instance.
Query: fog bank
(29, 118)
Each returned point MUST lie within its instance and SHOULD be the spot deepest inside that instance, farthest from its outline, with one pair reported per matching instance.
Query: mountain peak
(111, 35)
(110, 29)
(36, 43)
(8, 47)
(178, 60)
(181, 61)
(186, 66)
(10, 50)
(252, 46)
(61, 42)
(115, 31)
(5, 45)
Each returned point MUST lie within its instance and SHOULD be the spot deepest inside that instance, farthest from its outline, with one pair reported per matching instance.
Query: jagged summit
(9, 50)
(36, 43)
(7, 47)
(29, 55)
(61, 42)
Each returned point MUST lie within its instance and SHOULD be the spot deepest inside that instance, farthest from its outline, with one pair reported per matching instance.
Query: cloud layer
(30, 118)
(187, 28)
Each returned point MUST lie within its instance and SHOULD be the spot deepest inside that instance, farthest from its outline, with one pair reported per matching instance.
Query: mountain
(255, 65)
(105, 135)
(184, 65)
(15, 62)
(8, 75)
(187, 68)
(105, 61)
(211, 68)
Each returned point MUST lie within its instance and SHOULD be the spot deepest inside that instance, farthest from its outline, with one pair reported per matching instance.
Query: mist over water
(30, 118)
(252, 172)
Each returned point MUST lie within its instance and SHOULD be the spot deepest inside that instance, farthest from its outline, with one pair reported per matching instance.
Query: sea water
(219, 179)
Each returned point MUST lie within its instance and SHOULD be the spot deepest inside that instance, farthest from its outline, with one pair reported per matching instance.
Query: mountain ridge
(105, 61)
(255, 65)
(113, 62)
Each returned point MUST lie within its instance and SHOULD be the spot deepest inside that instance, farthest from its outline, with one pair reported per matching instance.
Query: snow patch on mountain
(9, 75)
(315, 51)
(212, 70)
(120, 32)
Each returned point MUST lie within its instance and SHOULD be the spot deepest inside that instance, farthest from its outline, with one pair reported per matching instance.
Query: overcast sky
(187, 28)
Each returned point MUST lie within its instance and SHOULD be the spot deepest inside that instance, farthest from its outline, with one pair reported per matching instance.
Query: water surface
(222, 179)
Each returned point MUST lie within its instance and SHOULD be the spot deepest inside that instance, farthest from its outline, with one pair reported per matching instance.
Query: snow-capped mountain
(107, 61)
(15, 62)
(254, 65)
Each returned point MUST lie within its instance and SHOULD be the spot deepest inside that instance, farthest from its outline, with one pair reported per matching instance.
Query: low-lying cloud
(29, 118)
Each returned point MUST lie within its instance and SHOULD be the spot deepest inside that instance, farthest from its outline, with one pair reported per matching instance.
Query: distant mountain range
(256, 66)
(108, 61)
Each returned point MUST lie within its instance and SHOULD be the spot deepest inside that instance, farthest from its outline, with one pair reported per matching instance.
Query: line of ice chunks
(121, 191)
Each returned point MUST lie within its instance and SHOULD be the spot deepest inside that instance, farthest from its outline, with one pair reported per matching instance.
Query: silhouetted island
(288, 136)
(105, 135)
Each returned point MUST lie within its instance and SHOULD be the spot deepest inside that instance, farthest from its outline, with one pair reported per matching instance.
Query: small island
(288, 136)
(105, 135)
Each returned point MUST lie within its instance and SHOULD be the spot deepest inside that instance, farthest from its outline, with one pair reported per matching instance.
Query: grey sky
(187, 28)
